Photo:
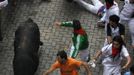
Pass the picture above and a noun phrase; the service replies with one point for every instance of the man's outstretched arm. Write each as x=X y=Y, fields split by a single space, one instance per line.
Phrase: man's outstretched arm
x=52 y=68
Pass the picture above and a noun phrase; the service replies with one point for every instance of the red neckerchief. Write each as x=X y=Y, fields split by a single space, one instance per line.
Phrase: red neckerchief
x=115 y=51
x=108 y=5
x=80 y=31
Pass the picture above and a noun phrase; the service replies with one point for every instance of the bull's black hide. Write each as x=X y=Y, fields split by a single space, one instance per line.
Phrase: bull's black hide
x=26 y=46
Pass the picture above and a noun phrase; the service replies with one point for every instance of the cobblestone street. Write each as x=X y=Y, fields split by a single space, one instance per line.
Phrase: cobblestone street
x=53 y=38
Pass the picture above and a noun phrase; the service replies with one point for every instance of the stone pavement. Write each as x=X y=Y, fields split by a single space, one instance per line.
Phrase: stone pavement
x=54 y=39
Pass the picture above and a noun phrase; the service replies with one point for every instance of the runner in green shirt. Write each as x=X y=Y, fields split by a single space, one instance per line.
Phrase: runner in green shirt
x=79 y=39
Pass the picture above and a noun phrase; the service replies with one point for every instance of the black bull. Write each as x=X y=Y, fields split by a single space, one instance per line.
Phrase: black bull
x=26 y=46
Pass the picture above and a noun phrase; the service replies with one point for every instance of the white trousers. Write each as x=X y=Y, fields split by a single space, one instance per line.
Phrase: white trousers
x=126 y=13
x=131 y=29
x=97 y=4
x=3 y=4
x=126 y=18
x=83 y=53
x=112 y=70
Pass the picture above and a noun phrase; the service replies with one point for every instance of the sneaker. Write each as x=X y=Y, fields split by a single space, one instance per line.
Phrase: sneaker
x=101 y=24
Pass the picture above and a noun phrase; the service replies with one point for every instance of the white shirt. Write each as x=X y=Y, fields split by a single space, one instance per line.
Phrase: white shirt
x=115 y=31
x=110 y=61
x=114 y=10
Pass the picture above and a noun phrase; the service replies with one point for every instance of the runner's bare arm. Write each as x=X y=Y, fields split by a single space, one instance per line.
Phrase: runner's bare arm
x=128 y=62
x=97 y=55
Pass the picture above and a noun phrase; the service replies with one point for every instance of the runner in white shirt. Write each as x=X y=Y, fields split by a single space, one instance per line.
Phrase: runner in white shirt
x=103 y=10
x=96 y=8
x=112 y=56
x=127 y=17
x=114 y=28
x=131 y=29
x=127 y=11
x=111 y=9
